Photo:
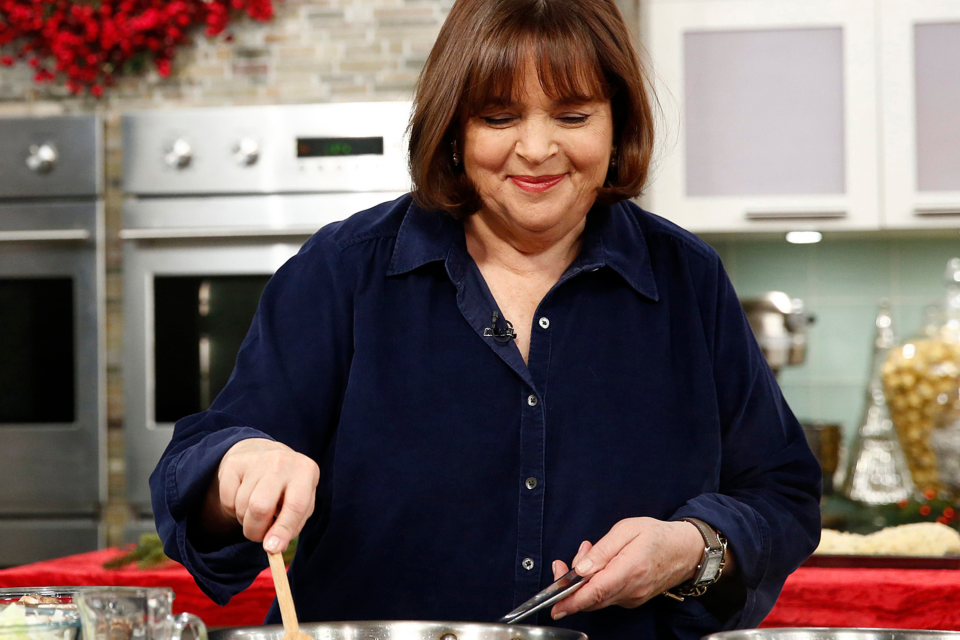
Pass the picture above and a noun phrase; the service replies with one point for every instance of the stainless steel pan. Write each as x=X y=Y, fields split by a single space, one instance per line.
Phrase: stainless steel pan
x=828 y=633
x=403 y=630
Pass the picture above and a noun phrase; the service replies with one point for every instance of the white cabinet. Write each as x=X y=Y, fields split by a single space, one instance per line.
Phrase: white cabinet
x=920 y=103
x=769 y=117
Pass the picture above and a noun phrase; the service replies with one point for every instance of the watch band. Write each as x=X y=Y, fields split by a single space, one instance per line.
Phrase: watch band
x=711 y=562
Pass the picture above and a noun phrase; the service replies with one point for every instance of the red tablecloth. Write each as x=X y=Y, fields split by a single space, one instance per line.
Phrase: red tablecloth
x=812 y=597
x=896 y=598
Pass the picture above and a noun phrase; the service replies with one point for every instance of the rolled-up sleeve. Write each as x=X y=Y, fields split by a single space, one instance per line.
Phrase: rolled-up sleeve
x=301 y=334
x=767 y=503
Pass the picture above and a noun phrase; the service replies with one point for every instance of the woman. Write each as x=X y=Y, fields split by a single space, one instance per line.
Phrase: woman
x=441 y=462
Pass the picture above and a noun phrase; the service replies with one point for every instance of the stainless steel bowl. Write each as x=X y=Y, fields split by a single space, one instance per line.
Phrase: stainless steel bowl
x=832 y=633
x=780 y=326
x=403 y=630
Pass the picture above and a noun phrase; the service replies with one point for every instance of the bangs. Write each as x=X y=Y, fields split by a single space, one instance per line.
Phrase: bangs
x=568 y=67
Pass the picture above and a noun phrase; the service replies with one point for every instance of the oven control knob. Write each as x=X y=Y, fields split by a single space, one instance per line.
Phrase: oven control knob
x=246 y=152
x=42 y=158
x=179 y=154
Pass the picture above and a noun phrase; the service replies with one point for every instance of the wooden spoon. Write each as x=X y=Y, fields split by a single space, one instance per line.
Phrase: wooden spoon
x=288 y=612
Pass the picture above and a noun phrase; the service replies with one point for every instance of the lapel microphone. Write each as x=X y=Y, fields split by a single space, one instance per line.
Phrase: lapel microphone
x=502 y=336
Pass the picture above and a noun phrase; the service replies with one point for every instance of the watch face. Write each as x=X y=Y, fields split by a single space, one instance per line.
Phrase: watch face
x=711 y=566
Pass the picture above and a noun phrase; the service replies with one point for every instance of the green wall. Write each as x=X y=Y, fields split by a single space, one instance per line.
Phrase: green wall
x=841 y=282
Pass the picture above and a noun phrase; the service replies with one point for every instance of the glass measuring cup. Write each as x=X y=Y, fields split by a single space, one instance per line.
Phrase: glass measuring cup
x=135 y=613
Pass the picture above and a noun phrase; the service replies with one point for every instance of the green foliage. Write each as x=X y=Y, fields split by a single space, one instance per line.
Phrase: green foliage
x=846 y=515
x=148 y=554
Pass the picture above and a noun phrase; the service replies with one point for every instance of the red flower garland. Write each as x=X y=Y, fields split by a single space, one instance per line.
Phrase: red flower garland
x=94 y=41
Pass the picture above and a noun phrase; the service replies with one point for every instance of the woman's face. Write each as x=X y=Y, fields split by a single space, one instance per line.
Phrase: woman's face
x=537 y=164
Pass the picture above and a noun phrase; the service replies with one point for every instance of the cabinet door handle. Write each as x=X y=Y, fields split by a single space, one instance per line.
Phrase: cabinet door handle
x=46 y=235
x=762 y=216
x=937 y=211
x=174 y=233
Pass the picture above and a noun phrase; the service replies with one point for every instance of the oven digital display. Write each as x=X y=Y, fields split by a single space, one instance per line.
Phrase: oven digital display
x=327 y=147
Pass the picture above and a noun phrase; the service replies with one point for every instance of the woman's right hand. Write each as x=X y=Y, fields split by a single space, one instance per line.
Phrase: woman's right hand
x=266 y=487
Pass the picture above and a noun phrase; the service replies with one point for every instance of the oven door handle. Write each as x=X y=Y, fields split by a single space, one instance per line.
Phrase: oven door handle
x=174 y=233
x=46 y=235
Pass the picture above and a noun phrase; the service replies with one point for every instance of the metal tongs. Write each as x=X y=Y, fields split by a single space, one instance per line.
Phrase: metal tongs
x=560 y=589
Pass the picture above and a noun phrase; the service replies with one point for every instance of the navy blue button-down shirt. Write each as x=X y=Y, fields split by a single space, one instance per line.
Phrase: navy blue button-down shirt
x=644 y=394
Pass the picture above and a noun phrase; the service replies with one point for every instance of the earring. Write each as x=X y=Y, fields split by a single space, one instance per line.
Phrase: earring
x=613 y=158
x=455 y=156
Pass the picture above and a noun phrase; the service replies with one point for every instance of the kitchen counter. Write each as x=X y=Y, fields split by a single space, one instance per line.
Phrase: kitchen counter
x=812 y=597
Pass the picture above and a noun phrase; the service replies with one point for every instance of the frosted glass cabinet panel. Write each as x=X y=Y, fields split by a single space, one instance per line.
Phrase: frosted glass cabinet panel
x=769 y=114
x=937 y=64
x=744 y=90
x=921 y=100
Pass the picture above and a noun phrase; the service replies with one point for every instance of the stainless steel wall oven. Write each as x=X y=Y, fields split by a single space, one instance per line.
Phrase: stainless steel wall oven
x=52 y=380
x=217 y=200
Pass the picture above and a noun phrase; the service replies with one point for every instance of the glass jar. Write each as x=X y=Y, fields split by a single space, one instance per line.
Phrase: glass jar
x=876 y=472
x=921 y=380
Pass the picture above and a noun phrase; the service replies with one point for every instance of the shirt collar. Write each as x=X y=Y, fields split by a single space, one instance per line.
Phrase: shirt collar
x=424 y=236
x=613 y=238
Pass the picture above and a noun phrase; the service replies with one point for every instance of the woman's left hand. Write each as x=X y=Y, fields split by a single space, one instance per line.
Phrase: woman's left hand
x=638 y=559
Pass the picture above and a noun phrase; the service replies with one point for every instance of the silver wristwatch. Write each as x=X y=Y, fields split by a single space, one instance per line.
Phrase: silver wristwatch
x=711 y=562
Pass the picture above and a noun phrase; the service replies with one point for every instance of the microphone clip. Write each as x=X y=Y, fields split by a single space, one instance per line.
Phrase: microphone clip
x=502 y=336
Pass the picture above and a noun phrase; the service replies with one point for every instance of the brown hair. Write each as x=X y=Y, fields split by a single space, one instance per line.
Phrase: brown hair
x=582 y=50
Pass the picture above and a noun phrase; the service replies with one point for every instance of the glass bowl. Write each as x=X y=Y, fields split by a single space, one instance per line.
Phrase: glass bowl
x=50 y=616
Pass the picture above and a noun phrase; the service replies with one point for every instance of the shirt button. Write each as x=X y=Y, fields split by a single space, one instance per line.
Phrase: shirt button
x=527 y=564
x=544 y=322
x=531 y=483
x=532 y=400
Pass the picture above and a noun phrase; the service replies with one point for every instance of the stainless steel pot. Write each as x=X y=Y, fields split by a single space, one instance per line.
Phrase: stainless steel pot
x=403 y=630
x=828 y=633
